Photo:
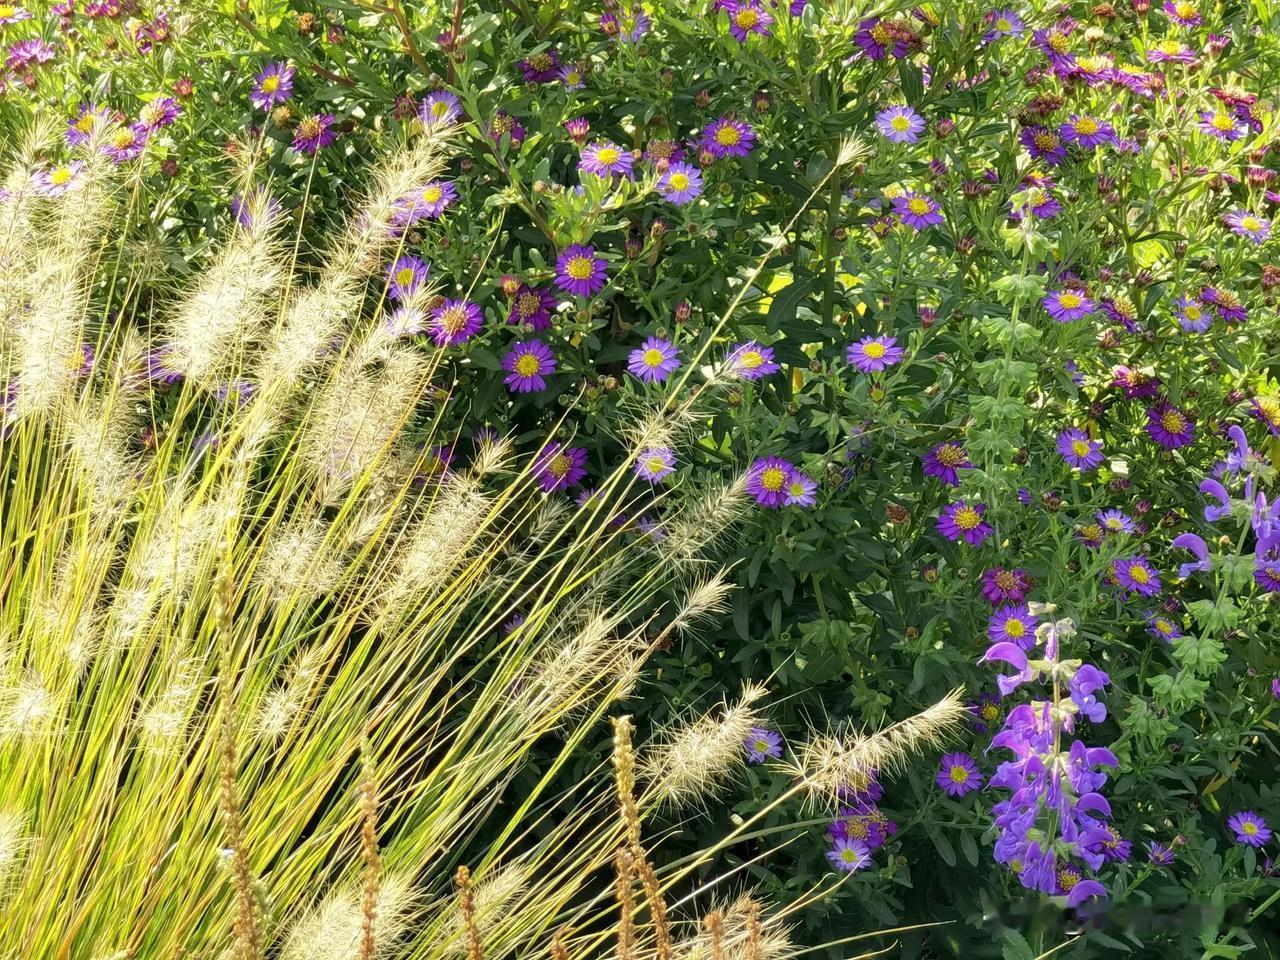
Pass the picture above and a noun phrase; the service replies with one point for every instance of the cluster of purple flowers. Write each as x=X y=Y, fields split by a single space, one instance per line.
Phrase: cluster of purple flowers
x=860 y=829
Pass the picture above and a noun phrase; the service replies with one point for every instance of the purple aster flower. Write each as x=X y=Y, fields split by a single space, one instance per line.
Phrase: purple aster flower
x=85 y=123
x=1223 y=125
x=1072 y=885
x=751 y=361
x=1135 y=383
x=986 y=712
x=944 y=461
x=541 y=67
x=1191 y=316
x=1249 y=225
x=505 y=125
x=29 y=53
x=314 y=132
x=406 y=321
x=406 y=276
x=801 y=490
x=917 y=210
x=747 y=17
x=11 y=13
x=1182 y=13
x=1114 y=521
x=439 y=109
x=455 y=321
x=1249 y=828
x=528 y=365
x=627 y=27
x=429 y=201
x=1158 y=854
x=532 y=307
x=259 y=203
x=272 y=86
x=125 y=143
x=572 y=76
x=762 y=745
x=1275 y=688
x=655 y=463
x=1004 y=23
x=580 y=272
x=1078 y=450
x=958 y=774
x=1067 y=305
x=849 y=855
x=1163 y=627
x=1091 y=534
x=873 y=354
x=160 y=112
x=963 y=521
x=605 y=158
x=1013 y=623
x=900 y=124
x=58 y=179
x=1087 y=131
x=558 y=467
x=1169 y=426
x=681 y=183
x=1169 y=50
x=1006 y=586
x=726 y=137
x=1136 y=575
x=878 y=37
x=1266 y=573
x=1225 y=303
x=654 y=360
x=767 y=481
x=1043 y=144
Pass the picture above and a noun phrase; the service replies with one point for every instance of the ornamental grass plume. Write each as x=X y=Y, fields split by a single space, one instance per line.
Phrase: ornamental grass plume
x=255 y=695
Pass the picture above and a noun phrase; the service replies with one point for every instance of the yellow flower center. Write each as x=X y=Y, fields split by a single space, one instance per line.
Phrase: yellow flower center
x=1091 y=531
x=540 y=61
x=1249 y=828
x=7 y=11
x=1163 y=626
x=1015 y=628
x=653 y=357
x=527 y=304
x=528 y=365
x=1067 y=878
x=1170 y=48
x=559 y=465
x=1223 y=122
x=124 y=138
x=453 y=320
x=751 y=359
x=728 y=136
x=439 y=108
x=918 y=205
x=1172 y=421
x=1250 y=223
x=86 y=123
x=573 y=77
x=746 y=18
x=60 y=177
x=404 y=276
x=874 y=350
x=1080 y=448
x=271 y=84
x=900 y=123
x=655 y=464
x=1138 y=574
x=309 y=127
x=857 y=829
x=1058 y=42
x=959 y=775
x=580 y=268
x=880 y=34
x=607 y=155
x=1045 y=141
x=773 y=479
x=1087 y=125
x=1185 y=10
x=950 y=456
x=967 y=518
x=1070 y=300
x=990 y=712
x=1004 y=25
x=432 y=193
x=796 y=489
x=679 y=181
x=1191 y=312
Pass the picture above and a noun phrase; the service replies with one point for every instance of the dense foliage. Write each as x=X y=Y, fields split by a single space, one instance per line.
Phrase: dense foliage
x=988 y=295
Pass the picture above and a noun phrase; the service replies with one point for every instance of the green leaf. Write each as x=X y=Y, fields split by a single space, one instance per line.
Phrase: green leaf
x=1016 y=947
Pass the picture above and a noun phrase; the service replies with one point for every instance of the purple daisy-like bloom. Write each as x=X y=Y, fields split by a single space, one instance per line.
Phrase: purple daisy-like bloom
x=849 y=855
x=751 y=361
x=82 y=126
x=762 y=744
x=1225 y=303
x=1013 y=623
x=406 y=276
x=747 y=17
x=654 y=360
x=1169 y=426
x=1091 y=534
x=1275 y=688
x=1158 y=854
x=532 y=307
x=1003 y=23
x=314 y=132
x=1182 y=13
x=1001 y=586
x=1114 y=521
x=1067 y=305
x=12 y=13
x=726 y=137
x=559 y=467
x=877 y=38
x=439 y=109
x=900 y=124
x=1223 y=125
x=605 y=158
x=655 y=463
x=1266 y=573
x=528 y=365
x=273 y=86
x=571 y=76
x=986 y=712
x=1192 y=316
x=1078 y=450
x=455 y=321
x=505 y=125
x=58 y=179
x=1043 y=144
x=427 y=202
x=125 y=143
x=681 y=183
x=406 y=321
x=29 y=53
x=159 y=113
x=767 y=481
x=1251 y=226
x=958 y=774
x=873 y=354
x=963 y=521
x=801 y=490
x=541 y=67
x=1136 y=575
x=1135 y=383
x=1249 y=828
x=917 y=210
x=1162 y=626
x=1088 y=132
x=1169 y=50
x=944 y=461
x=580 y=272
x=628 y=27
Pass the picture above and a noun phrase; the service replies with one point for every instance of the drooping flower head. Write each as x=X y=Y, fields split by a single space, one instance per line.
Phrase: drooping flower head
x=751 y=361
x=559 y=467
x=873 y=354
x=528 y=364
x=454 y=322
x=958 y=774
x=654 y=360
x=963 y=521
x=944 y=461
x=273 y=86
x=1078 y=450
x=580 y=272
